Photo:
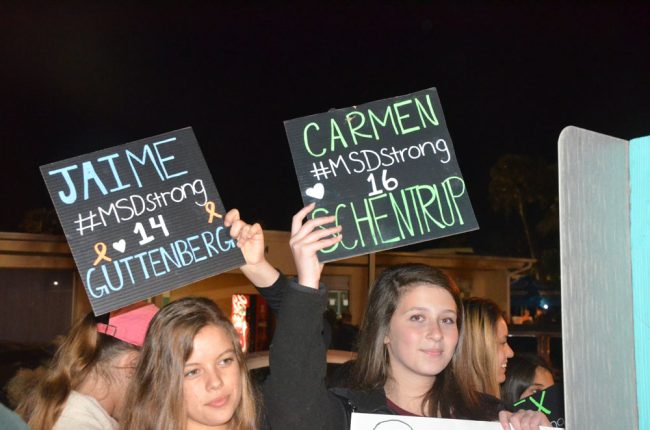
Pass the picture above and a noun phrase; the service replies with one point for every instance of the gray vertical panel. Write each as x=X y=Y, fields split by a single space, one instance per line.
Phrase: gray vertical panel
x=597 y=325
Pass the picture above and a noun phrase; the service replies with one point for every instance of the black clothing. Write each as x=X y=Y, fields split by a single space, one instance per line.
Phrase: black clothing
x=374 y=402
x=295 y=392
x=549 y=401
x=274 y=294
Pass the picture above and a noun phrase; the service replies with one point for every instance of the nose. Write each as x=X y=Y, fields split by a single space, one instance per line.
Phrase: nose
x=509 y=352
x=214 y=380
x=434 y=331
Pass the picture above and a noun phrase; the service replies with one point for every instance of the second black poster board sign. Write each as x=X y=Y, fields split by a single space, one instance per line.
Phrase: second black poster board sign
x=386 y=169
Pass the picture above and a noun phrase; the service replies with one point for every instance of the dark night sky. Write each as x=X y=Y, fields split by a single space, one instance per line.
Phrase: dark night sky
x=81 y=77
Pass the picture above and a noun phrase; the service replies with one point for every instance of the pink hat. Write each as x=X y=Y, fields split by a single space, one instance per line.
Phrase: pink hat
x=130 y=323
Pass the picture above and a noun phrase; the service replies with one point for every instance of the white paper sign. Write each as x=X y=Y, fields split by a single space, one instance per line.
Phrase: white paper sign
x=400 y=422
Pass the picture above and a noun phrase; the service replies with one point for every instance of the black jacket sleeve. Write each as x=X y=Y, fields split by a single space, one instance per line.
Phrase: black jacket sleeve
x=274 y=294
x=295 y=395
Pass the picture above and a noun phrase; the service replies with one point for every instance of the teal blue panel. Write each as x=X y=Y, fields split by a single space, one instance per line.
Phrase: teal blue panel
x=640 y=244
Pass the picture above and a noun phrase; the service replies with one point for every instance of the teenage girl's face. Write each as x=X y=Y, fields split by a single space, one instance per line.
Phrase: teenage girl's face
x=422 y=335
x=543 y=380
x=212 y=381
x=504 y=351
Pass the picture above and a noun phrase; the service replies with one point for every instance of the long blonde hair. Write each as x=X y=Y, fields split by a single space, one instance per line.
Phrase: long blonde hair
x=477 y=358
x=83 y=352
x=155 y=396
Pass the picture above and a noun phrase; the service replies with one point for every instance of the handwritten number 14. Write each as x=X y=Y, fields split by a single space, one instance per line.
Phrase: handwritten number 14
x=139 y=229
x=389 y=183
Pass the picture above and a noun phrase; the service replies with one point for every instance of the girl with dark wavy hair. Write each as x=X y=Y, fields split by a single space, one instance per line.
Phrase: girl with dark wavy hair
x=526 y=375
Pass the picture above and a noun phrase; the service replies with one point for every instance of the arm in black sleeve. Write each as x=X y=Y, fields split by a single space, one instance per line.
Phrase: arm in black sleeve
x=295 y=394
x=274 y=294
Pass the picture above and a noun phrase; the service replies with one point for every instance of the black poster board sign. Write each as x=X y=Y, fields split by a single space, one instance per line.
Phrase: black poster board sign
x=141 y=218
x=386 y=169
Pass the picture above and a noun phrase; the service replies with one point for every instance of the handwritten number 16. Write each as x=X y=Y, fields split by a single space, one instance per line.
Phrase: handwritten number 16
x=389 y=183
x=139 y=228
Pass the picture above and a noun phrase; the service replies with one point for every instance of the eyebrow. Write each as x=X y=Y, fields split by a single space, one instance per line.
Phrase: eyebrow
x=227 y=351
x=420 y=308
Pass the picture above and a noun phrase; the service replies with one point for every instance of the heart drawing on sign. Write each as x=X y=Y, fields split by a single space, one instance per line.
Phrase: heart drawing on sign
x=317 y=191
x=120 y=245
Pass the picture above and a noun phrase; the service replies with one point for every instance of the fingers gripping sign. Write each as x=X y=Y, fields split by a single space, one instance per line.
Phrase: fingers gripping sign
x=523 y=420
x=249 y=238
x=307 y=238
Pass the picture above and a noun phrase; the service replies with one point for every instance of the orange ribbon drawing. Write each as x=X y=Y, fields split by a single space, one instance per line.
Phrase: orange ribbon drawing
x=210 y=209
x=100 y=250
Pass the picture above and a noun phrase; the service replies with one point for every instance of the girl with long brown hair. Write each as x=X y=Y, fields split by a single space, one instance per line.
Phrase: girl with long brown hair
x=191 y=374
x=416 y=301
x=85 y=383
x=408 y=338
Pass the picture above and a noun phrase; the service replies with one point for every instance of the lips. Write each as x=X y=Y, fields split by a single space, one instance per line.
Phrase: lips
x=432 y=352
x=218 y=402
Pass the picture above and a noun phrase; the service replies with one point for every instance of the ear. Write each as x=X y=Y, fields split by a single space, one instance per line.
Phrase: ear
x=386 y=340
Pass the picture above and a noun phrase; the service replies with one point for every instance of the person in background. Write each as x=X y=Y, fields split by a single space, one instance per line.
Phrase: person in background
x=345 y=334
x=526 y=375
x=483 y=351
x=85 y=384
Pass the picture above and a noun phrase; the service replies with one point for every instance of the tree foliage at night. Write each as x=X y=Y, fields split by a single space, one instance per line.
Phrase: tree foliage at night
x=526 y=186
